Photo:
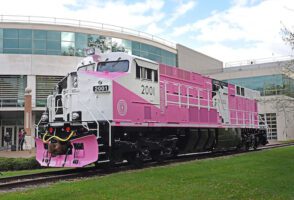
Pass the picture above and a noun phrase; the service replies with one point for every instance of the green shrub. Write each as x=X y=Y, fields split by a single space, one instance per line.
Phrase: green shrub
x=10 y=164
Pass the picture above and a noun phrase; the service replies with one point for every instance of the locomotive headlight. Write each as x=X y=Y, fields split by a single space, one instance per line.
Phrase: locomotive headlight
x=44 y=117
x=75 y=115
x=75 y=82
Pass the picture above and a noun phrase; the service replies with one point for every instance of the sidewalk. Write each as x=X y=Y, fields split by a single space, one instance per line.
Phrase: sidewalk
x=18 y=154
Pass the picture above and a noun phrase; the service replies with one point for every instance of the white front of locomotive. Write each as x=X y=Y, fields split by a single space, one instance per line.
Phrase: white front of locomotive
x=80 y=112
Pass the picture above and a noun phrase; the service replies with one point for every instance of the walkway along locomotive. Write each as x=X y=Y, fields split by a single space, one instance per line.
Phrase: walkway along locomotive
x=117 y=107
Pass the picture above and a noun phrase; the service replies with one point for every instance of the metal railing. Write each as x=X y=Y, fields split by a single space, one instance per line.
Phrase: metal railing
x=258 y=61
x=84 y=24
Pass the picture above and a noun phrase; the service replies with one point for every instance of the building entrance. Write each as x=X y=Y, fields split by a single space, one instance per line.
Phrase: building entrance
x=7 y=137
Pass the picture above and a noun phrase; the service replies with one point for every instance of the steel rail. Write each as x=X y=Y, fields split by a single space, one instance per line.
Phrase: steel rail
x=24 y=181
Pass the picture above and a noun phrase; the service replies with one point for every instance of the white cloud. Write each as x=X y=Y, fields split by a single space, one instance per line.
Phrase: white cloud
x=118 y=12
x=181 y=9
x=154 y=29
x=254 y=24
x=257 y=26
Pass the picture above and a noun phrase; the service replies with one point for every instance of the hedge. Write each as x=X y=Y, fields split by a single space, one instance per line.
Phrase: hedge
x=10 y=164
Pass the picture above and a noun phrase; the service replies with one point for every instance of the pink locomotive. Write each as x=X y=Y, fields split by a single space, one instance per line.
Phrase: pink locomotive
x=119 y=107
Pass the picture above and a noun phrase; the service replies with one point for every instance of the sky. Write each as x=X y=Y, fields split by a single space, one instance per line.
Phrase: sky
x=228 y=30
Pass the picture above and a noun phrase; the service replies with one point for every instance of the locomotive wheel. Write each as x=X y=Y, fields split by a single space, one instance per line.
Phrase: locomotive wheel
x=135 y=160
x=247 y=146
x=157 y=156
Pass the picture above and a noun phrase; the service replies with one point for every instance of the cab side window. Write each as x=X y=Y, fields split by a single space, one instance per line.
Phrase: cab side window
x=145 y=73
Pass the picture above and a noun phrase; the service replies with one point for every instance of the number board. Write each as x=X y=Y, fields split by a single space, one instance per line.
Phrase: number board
x=101 y=88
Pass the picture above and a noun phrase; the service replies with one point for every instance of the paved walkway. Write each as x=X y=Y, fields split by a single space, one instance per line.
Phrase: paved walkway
x=18 y=154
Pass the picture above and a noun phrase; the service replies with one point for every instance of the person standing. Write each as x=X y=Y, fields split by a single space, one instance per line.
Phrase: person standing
x=7 y=139
x=21 y=137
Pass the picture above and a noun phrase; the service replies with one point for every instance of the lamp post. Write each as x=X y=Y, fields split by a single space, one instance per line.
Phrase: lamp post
x=28 y=117
x=28 y=111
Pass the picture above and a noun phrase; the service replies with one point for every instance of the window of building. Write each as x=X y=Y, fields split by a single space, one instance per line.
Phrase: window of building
x=10 y=41
x=268 y=85
x=39 y=42
x=153 y=53
x=120 y=45
x=12 y=89
x=68 y=43
x=101 y=42
x=80 y=43
x=25 y=34
x=53 y=43
x=1 y=40
x=44 y=87
x=10 y=33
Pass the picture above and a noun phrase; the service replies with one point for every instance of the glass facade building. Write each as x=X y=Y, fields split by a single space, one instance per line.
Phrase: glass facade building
x=44 y=42
x=278 y=84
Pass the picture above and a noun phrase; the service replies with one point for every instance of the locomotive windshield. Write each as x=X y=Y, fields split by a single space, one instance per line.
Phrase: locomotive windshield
x=90 y=67
x=113 y=66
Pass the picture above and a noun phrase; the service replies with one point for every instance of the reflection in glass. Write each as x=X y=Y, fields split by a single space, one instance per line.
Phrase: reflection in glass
x=68 y=48
x=101 y=42
x=113 y=66
x=68 y=36
x=74 y=44
x=119 y=45
x=268 y=85
x=80 y=44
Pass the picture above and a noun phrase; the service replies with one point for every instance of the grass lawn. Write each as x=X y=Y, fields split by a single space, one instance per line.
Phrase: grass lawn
x=267 y=174
x=25 y=172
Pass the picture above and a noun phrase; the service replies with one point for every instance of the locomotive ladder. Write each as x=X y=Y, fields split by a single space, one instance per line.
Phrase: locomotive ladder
x=102 y=148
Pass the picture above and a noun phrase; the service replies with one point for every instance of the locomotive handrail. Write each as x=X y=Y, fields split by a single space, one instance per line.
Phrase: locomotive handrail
x=98 y=127
x=180 y=97
x=201 y=101
x=56 y=137
x=109 y=124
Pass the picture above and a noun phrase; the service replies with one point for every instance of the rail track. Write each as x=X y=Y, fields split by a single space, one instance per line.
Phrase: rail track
x=24 y=181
